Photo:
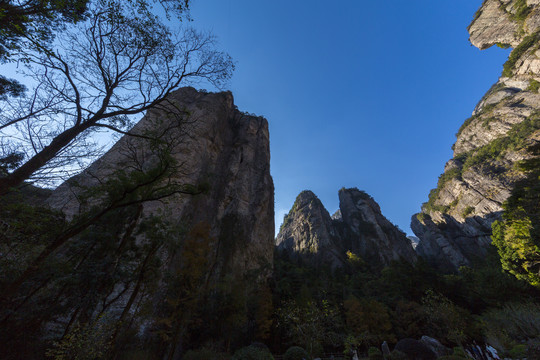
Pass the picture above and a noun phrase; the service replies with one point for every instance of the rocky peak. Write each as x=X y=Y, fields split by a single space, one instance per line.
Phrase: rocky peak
x=504 y=22
x=307 y=230
x=358 y=209
x=454 y=226
x=358 y=226
x=368 y=233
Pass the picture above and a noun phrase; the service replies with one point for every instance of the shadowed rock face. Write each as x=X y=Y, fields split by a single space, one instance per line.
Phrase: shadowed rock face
x=454 y=226
x=358 y=226
x=218 y=146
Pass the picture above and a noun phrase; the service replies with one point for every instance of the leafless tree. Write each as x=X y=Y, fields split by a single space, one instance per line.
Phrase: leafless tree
x=116 y=65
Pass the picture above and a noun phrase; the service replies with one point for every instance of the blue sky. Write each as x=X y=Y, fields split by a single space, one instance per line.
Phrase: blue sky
x=365 y=94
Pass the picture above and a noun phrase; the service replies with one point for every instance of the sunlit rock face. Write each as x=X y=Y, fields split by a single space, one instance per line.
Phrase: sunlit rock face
x=309 y=232
x=218 y=149
x=454 y=226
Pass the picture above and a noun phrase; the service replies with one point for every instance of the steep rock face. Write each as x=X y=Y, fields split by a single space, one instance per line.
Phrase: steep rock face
x=308 y=230
x=454 y=226
x=358 y=226
x=217 y=146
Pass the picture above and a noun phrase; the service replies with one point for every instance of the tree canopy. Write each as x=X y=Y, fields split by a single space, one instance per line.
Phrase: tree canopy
x=99 y=73
x=517 y=236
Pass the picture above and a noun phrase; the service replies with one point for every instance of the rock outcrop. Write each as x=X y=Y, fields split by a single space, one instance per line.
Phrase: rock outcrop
x=454 y=226
x=223 y=149
x=358 y=226
x=219 y=153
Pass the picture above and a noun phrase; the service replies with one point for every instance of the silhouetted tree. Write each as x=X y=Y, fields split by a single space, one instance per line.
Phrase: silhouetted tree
x=118 y=63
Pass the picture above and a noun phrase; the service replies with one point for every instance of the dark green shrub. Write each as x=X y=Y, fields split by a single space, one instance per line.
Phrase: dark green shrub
x=521 y=10
x=422 y=217
x=459 y=352
x=295 y=353
x=467 y=211
x=374 y=353
x=465 y=124
x=527 y=42
x=252 y=352
x=515 y=139
x=534 y=86
x=521 y=322
x=445 y=177
x=518 y=351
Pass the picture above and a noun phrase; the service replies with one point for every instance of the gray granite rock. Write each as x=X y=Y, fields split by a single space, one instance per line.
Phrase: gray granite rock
x=216 y=145
x=358 y=226
x=454 y=226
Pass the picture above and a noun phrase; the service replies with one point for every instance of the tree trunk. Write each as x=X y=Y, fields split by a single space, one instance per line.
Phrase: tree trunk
x=40 y=159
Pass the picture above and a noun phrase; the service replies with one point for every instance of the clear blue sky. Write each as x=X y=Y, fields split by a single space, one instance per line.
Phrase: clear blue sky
x=365 y=94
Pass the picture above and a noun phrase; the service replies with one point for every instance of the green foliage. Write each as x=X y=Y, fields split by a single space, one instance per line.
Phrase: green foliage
x=374 y=353
x=296 y=353
x=394 y=303
x=459 y=352
x=518 y=52
x=521 y=10
x=368 y=320
x=515 y=139
x=423 y=217
x=486 y=109
x=516 y=236
x=465 y=124
x=534 y=86
x=355 y=261
x=310 y=324
x=252 y=353
x=503 y=45
x=467 y=211
x=521 y=322
x=37 y=20
x=476 y=16
x=447 y=321
x=444 y=178
x=89 y=342
x=518 y=351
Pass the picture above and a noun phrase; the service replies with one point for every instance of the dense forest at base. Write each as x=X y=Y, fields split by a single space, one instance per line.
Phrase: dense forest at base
x=321 y=310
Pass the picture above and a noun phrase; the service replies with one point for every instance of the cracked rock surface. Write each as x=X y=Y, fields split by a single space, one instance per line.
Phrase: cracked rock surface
x=454 y=226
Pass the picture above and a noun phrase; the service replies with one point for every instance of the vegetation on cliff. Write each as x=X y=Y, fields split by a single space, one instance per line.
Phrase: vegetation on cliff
x=517 y=235
x=516 y=139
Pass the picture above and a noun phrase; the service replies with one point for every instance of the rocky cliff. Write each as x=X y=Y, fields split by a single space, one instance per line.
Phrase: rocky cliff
x=221 y=198
x=358 y=226
x=454 y=226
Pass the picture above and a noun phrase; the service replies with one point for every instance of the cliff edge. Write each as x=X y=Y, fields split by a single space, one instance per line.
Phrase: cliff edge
x=454 y=226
